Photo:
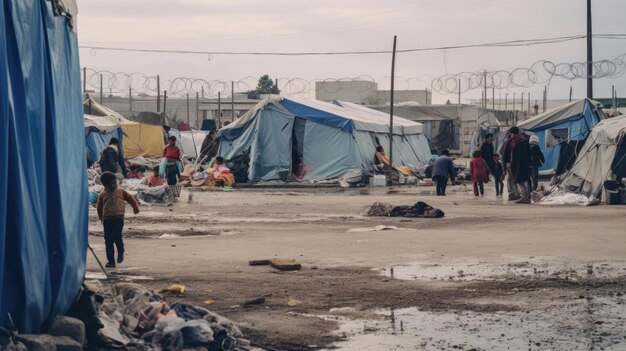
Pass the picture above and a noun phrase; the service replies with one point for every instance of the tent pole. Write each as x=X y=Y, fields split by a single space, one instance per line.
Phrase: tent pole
x=393 y=71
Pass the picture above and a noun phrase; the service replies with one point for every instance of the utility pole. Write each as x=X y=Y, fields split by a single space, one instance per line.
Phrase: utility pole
x=521 y=105
x=545 y=98
x=506 y=101
x=459 y=91
x=391 y=93
x=130 y=100
x=232 y=100
x=528 y=109
x=589 y=53
x=84 y=80
x=613 y=96
x=513 y=101
x=159 y=93
x=493 y=98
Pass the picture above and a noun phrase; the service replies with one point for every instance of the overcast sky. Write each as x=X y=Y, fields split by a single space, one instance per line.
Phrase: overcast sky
x=346 y=25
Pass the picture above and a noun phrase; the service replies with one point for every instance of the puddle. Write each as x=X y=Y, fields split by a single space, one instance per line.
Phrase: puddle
x=571 y=325
x=462 y=271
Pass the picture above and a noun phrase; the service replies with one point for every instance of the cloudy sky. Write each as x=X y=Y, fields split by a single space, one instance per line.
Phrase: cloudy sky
x=346 y=25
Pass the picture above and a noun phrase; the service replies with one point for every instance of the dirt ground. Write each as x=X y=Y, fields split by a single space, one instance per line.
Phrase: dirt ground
x=488 y=276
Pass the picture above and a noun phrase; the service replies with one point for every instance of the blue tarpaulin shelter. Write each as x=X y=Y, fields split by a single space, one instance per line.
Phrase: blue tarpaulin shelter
x=560 y=130
x=321 y=140
x=43 y=182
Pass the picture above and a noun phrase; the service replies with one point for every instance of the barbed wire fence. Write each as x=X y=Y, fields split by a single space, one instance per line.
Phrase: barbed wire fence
x=129 y=93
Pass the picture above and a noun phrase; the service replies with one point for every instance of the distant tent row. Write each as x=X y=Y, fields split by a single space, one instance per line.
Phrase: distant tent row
x=317 y=140
x=601 y=158
x=562 y=132
x=138 y=139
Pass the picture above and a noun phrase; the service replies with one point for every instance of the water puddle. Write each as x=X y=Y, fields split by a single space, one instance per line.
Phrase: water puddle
x=540 y=268
x=580 y=324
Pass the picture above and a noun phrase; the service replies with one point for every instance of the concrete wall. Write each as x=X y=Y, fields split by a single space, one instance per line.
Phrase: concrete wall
x=367 y=93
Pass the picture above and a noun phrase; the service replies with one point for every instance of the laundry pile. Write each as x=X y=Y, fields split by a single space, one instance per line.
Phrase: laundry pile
x=420 y=209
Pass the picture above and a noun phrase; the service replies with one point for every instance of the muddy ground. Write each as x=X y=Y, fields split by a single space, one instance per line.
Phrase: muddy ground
x=488 y=276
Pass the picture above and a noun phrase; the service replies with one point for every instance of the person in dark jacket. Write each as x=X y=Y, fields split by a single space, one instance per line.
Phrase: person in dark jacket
x=498 y=174
x=536 y=161
x=520 y=164
x=209 y=147
x=442 y=169
x=487 y=151
x=506 y=161
x=109 y=161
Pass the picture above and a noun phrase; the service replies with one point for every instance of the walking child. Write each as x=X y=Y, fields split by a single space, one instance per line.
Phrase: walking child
x=111 y=209
x=498 y=174
x=171 y=166
x=479 y=172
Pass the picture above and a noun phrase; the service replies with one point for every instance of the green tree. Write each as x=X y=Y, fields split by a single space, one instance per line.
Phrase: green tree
x=266 y=86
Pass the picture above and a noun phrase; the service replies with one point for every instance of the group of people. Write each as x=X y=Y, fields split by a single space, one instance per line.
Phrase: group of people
x=520 y=162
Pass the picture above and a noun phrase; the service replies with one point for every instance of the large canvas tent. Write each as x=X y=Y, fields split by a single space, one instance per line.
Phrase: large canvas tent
x=602 y=157
x=562 y=131
x=43 y=180
x=320 y=140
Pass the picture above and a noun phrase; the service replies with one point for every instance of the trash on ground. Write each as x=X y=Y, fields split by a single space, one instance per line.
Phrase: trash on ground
x=174 y=288
x=285 y=264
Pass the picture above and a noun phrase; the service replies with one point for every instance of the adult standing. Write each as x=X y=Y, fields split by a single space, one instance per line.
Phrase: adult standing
x=536 y=161
x=506 y=160
x=109 y=157
x=520 y=164
x=442 y=169
x=487 y=151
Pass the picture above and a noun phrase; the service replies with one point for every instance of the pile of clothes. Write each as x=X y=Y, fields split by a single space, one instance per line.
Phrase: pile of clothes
x=420 y=209
x=129 y=316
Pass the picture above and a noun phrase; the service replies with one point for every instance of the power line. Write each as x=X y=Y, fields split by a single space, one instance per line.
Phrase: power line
x=510 y=43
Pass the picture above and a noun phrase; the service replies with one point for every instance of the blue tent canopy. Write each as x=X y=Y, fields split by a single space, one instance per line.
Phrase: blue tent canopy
x=43 y=183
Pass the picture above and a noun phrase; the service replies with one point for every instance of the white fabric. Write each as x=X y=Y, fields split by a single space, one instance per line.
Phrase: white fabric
x=103 y=125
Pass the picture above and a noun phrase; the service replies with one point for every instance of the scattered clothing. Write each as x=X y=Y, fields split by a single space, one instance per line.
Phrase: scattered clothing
x=420 y=209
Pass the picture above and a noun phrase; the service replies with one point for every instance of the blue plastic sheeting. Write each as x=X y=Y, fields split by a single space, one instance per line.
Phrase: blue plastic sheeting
x=96 y=142
x=315 y=115
x=43 y=182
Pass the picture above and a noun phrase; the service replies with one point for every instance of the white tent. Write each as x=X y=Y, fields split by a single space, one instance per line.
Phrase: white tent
x=602 y=157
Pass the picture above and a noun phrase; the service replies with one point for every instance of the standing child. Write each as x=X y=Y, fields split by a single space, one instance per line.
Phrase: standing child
x=498 y=174
x=171 y=166
x=111 y=209
x=479 y=172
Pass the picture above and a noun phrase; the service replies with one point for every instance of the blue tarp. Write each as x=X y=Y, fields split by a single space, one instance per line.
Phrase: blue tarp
x=43 y=182
x=318 y=116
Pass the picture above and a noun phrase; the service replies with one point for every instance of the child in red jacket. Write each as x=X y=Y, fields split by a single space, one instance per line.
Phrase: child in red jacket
x=479 y=172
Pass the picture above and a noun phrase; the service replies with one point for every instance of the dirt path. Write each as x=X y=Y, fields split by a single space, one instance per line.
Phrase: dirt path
x=523 y=276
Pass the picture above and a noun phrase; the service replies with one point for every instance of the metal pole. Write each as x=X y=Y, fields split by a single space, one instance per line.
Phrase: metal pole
x=613 y=96
x=101 y=96
x=84 y=80
x=506 y=101
x=130 y=100
x=203 y=92
x=513 y=101
x=459 y=91
x=545 y=98
x=164 y=105
x=485 y=93
x=232 y=100
x=198 y=125
x=589 y=53
x=528 y=109
x=159 y=94
x=219 y=108
x=570 y=93
x=188 y=112
x=521 y=105
x=391 y=97
x=493 y=98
